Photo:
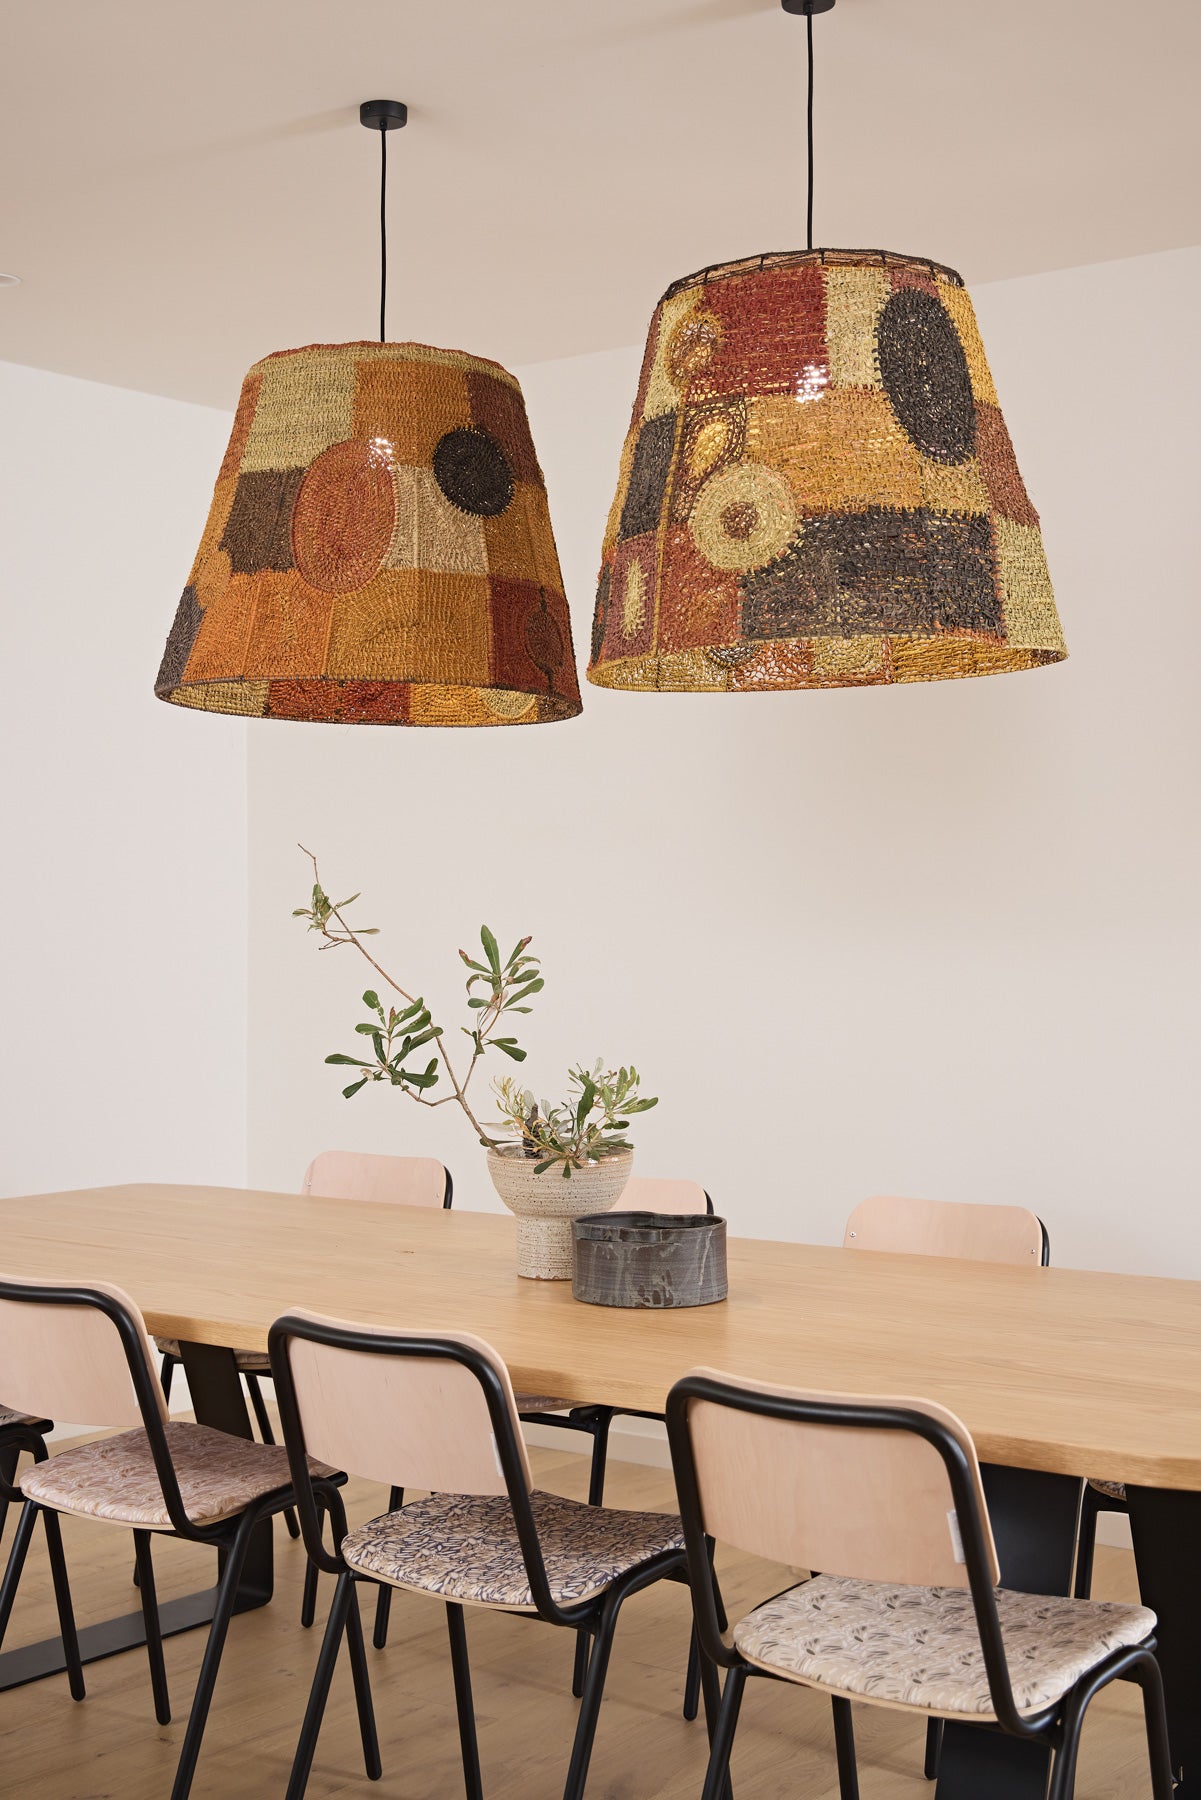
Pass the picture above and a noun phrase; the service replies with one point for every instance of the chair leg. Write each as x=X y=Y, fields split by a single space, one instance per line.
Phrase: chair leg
x=306 y=1745
x=1159 y=1749
x=463 y=1703
x=154 y=1636
x=308 y=1598
x=263 y=1417
x=167 y=1375
x=844 y=1749
x=596 y=1497
x=383 y=1604
x=692 y=1679
x=711 y=1688
x=594 y=1687
x=203 y=1698
x=62 y=1600
x=15 y=1564
x=933 y=1749
x=723 y=1737
x=1086 y=1543
x=357 y=1646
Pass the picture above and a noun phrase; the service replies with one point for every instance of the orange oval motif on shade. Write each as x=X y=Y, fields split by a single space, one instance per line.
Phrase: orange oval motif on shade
x=343 y=518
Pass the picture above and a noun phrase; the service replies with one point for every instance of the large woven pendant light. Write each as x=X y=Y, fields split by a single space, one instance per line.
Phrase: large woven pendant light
x=379 y=548
x=817 y=488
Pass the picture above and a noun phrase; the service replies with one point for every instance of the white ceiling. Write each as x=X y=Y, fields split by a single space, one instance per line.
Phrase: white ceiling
x=188 y=187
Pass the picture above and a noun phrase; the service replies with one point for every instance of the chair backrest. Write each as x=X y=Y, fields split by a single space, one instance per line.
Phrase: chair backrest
x=1009 y=1234
x=870 y=1487
x=650 y=1193
x=401 y=1180
x=71 y=1351
x=409 y=1408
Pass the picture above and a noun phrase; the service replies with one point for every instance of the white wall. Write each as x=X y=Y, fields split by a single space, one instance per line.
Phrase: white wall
x=934 y=940
x=122 y=821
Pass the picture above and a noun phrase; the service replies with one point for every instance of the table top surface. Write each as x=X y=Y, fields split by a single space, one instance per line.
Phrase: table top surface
x=1066 y=1370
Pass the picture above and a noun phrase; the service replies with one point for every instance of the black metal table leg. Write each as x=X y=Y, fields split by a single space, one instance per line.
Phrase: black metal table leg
x=1166 y=1527
x=1034 y=1519
x=217 y=1398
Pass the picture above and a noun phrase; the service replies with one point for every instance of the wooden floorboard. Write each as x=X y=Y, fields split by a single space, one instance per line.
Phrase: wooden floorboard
x=109 y=1745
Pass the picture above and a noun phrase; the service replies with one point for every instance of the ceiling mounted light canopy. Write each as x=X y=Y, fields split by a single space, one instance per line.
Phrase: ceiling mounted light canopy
x=817 y=488
x=379 y=547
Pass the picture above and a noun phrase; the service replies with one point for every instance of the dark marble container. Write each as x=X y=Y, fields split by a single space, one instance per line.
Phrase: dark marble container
x=649 y=1259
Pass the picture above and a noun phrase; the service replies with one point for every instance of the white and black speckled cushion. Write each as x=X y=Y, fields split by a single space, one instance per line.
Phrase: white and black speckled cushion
x=920 y=1647
x=250 y=1362
x=115 y=1478
x=465 y=1548
x=9 y=1417
x=1113 y=1490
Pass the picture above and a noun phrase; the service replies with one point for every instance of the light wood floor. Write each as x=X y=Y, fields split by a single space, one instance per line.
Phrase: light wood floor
x=110 y=1745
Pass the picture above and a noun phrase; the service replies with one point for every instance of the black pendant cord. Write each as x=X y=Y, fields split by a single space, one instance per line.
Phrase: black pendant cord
x=384 y=231
x=809 y=198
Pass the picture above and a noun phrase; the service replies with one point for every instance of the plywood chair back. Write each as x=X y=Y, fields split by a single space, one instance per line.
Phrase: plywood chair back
x=63 y=1355
x=849 y=1484
x=651 y=1193
x=401 y=1180
x=398 y=1407
x=1008 y=1234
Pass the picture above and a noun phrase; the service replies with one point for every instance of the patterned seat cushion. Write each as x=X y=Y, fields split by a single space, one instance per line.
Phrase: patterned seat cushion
x=1113 y=1490
x=250 y=1362
x=9 y=1417
x=114 y=1478
x=919 y=1647
x=466 y=1548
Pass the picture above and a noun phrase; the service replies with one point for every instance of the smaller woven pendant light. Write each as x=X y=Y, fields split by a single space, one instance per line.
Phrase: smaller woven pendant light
x=379 y=548
x=817 y=488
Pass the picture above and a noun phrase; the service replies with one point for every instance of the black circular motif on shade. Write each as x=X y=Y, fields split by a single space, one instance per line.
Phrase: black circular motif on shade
x=471 y=469
x=926 y=376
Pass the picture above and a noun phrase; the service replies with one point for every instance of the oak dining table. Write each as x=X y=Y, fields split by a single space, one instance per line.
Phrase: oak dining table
x=1059 y=1374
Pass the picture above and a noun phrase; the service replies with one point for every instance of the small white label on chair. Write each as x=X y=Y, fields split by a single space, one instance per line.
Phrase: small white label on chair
x=956 y=1536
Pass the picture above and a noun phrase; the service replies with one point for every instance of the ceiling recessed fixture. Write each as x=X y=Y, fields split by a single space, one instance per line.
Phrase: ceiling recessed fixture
x=379 y=548
x=10 y=281
x=817 y=488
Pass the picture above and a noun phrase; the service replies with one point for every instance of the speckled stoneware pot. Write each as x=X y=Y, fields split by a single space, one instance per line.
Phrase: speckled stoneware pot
x=650 y=1259
x=545 y=1205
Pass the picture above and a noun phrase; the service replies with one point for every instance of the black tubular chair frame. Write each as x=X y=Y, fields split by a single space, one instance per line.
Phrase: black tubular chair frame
x=1057 y=1726
x=231 y=1537
x=597 y=1616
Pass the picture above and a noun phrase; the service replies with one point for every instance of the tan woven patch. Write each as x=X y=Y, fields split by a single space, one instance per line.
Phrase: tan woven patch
x=429 y=532
x=841 y=453
x=854 y=298
x=304 y=407
x=1031 y=620
x=663 y=392
x=248 y=699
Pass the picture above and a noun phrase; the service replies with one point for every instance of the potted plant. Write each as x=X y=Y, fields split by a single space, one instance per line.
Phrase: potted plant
x=552 y=1162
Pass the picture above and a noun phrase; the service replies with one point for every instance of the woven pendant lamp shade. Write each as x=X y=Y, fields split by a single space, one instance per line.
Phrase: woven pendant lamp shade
x=818 y=489
x=379 y=550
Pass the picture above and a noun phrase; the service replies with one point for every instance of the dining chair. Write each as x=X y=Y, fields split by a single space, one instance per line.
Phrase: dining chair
x=885 y=1496
x=439 y=1409
x=907 y=1226
x=417 y=1181
x=81 y=1351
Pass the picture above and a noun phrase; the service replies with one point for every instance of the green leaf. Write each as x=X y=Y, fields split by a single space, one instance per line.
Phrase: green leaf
x=351 y=1062
x=532 y=987
x=509 y=1048
x=542 y=1167
x=371 y=998
x=354 y=1087
x=367 y=1028
x=377 y=1044
x=477 y=1004
x=490 y=949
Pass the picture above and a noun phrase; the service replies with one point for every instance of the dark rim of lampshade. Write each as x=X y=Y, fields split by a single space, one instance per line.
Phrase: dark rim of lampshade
x=799 y=259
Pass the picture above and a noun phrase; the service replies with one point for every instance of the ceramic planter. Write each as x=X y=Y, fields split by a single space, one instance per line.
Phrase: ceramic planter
x=545 y=1205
